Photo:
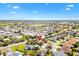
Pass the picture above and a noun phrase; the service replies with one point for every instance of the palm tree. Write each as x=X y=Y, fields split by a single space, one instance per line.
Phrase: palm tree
x=76 y=44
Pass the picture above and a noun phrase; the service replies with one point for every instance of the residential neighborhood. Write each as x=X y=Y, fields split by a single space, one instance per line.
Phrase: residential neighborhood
x=39 y=38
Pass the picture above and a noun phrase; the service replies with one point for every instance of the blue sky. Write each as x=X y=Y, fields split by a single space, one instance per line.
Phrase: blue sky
x=39 y=11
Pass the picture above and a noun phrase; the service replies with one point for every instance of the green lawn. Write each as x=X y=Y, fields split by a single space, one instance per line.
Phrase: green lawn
x=19 y=47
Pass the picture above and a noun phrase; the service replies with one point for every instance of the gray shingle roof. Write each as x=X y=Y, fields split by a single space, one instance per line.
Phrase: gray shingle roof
x=58 y=53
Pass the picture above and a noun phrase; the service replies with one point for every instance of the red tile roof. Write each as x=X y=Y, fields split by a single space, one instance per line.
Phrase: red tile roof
x=66 y=45
x=71 y=42
x=39 y=37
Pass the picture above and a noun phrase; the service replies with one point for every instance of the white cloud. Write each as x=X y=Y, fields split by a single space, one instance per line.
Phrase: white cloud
x=68 y=9
x=35 y=11
x=15 y=7
x=70 y=5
